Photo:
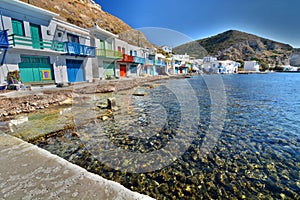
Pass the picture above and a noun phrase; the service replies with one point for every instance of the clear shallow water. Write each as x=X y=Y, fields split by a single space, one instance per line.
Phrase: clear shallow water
x=256 y=156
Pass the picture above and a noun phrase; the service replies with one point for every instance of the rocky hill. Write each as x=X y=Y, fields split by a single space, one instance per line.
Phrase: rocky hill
x=236 y=45
x=86 y=13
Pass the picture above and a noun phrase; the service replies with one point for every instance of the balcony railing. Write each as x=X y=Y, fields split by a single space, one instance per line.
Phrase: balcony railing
x=77 y=49
x=16 y=40
x=139 y=60
x=160 y=63
x=128 y=58
x=109 y=53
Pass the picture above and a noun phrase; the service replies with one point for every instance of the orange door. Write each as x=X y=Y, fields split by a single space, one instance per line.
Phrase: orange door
x=122 y=70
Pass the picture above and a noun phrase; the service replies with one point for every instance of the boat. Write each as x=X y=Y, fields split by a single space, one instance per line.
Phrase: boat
x=3 y=87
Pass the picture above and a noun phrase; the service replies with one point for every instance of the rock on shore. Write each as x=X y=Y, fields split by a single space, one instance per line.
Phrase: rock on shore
x=31 y=101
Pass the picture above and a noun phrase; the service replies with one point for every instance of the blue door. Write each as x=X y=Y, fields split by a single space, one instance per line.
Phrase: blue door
x=75 y=70
x=176 y=70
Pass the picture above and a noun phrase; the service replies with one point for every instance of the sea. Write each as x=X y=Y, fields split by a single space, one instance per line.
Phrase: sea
x=205 y=137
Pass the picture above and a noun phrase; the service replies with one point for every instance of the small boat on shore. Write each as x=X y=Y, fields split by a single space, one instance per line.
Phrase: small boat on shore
x=3 y=87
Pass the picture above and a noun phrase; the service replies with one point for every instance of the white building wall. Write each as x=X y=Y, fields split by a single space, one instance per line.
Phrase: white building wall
x=122 y=44
x=88 y=69
x=60 y=69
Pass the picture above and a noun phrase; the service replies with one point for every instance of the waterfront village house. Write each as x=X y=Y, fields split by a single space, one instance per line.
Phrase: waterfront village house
x=136 y=68
x=251 y=66
x=106 y=52
x=181 y=63
x=167 y=49
x=207 y=64
x=149 y=66
x=123 y=65
x=43 y=48
x=225 y=66
x=160 y=64
x=198 y=63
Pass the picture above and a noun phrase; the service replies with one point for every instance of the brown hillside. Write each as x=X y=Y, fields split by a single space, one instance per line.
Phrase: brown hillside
x=236 y=45
x=86 y=13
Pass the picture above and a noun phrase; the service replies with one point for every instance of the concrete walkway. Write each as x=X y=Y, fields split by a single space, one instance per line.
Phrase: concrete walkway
x=29 y=172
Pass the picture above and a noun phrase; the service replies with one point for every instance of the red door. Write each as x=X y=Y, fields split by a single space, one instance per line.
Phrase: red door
x=122 y=70
x=180 y=71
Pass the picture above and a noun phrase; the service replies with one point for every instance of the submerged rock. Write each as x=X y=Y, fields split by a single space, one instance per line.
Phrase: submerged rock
x=140 y=92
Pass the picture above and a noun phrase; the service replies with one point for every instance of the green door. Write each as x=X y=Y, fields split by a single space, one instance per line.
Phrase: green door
x=36 y=36
x=109 y=69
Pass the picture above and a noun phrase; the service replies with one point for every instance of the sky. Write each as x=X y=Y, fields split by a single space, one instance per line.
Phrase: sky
x=183 y=20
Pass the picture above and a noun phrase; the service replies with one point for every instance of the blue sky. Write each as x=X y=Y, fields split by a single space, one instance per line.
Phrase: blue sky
x=196 y=19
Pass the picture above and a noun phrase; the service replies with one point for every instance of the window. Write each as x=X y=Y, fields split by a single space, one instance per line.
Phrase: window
x=135 y=53
x=102 y=44
x=73 y=38
x=18 y=28
x=131 y=52
x=119 y=49
x=109 y=45
x=123 y=50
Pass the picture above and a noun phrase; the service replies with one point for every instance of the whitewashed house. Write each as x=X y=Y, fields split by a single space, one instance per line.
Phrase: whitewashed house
x=251 y=66
x=207 y=65
x=133 y=59
x=289 y=68
x=212 y=65
x=225 y=66
x=42 y=48
x=75 y=62
x=106 y=52
x=167 y=49
x=181 y=63
x=149 y=68
x=160 y=64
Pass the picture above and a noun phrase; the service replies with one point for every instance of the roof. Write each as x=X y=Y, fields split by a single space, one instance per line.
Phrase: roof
x=27 y=7
x=26 y=12
x=97 y=29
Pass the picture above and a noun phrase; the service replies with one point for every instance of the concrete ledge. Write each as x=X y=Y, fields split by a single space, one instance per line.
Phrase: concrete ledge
x=29 y=172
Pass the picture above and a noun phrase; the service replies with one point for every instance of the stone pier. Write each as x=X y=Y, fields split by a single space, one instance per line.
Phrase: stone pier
x=29 y=172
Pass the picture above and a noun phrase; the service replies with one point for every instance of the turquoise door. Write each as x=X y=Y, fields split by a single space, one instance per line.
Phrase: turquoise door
x=35 y=69
x=75 y=70
x=109 y=69
x=151 y=71
x=36 y=36
x=176 y=70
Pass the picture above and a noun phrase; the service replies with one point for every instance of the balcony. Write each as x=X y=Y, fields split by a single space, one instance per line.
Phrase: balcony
x=160 y=63
x=109 y=53
x=139 y=60
x=17 y=41
x=127 y=58
x=77 y=49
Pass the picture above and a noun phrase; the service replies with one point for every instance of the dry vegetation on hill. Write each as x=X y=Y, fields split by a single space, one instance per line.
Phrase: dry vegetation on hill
x=86 y=13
